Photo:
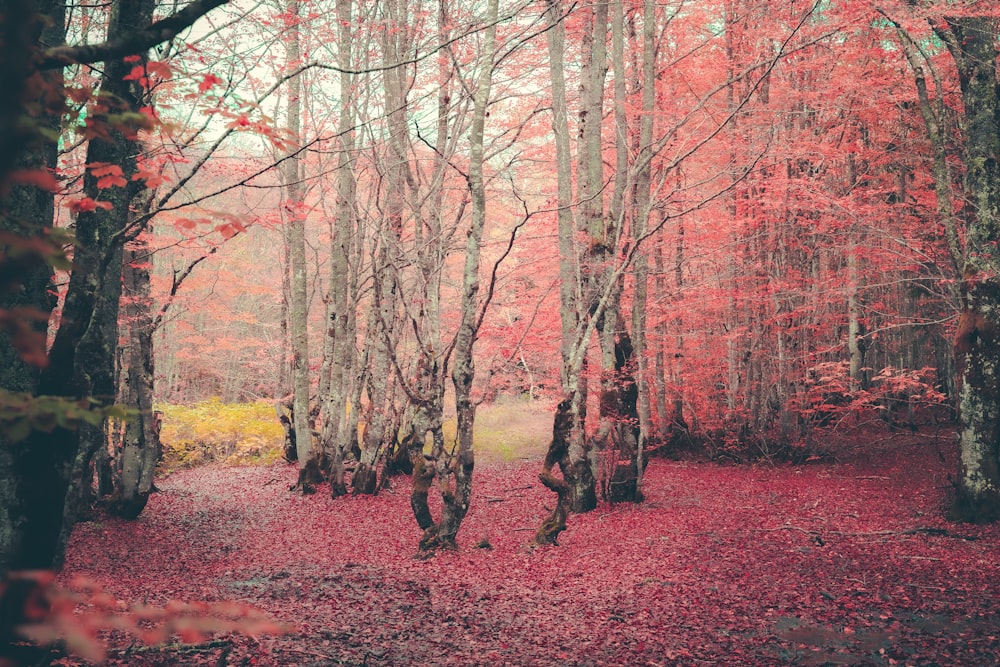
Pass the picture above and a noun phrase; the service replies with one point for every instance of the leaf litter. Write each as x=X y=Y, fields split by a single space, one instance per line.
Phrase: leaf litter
x=847 y=563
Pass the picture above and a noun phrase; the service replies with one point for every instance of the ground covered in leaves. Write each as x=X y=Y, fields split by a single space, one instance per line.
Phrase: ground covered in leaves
x=847 y=563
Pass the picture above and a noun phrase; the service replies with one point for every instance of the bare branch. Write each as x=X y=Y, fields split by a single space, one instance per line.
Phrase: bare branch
x=137 y=42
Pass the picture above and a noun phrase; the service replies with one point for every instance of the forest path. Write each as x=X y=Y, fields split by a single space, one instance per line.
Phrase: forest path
x=845 y=563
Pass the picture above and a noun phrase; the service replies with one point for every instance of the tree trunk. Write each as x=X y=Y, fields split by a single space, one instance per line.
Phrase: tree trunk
x=640 y=222
x=141 y=444
x=81 y=360
x=382 y=336
x=340 y=358
x=973 y=43
x=28 y=211
x=557 y=454
x=455 y=474
x=298 y=311
x=568 y=269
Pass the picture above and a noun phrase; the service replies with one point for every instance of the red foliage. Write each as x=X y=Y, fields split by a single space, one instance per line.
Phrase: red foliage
x=208 y=82
x=87 y=204
x=721 y=565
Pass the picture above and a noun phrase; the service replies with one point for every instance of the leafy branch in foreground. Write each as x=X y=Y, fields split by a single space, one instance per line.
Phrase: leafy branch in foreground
x=21 y=413
x=76 y=612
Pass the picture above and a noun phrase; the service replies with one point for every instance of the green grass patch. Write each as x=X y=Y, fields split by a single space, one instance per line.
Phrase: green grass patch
x=509 y=430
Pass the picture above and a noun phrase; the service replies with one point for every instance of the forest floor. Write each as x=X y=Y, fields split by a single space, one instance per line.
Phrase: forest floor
x=831 y=563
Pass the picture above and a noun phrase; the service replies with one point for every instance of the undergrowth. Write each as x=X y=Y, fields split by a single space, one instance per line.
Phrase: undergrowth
x=213 y=431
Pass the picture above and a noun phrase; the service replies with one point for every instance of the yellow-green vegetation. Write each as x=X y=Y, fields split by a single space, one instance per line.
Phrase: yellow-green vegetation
x=233 y=433
x=249 y=433
x=508 y=430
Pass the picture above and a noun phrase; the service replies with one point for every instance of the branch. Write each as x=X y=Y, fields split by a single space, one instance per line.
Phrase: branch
x=178 y=279
x=919 y=530
x=137 y=42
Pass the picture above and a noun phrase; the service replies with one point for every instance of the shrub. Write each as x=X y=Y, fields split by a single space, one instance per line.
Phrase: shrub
x=232 y=433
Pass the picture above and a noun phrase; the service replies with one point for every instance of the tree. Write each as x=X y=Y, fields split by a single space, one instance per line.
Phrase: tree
x=972 y=43
x=341 y=365
x=455 y=471
x=970 y=39
x=298 y=311
x=38 y=468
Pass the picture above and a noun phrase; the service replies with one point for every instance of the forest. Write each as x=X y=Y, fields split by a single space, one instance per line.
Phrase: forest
x=654 y=332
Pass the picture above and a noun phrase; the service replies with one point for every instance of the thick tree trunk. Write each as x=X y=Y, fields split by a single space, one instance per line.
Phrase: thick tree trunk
x=27 y=211
x=557 y=455
x=81 y=360
x=977 y=354
x=973 y=43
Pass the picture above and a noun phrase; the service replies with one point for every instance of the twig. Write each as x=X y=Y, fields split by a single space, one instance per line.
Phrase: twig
x=290 y=649
x=177 y=648
x=879 y=533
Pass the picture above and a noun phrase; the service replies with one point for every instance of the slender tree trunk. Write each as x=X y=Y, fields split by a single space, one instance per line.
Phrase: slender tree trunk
x=641 y=211
x=341 y=348
x=141 y=442
x=568 y=268
x=592 y=223
x=298 y=311
x=430 y=244
x=455 y=475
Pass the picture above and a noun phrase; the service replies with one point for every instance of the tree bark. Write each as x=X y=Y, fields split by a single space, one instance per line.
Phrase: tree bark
x=38 y=473
x=382 y=336
x=455 y=474
x=28 y=212
x=141 y=443
x=298 y=311
x=578 y=473
x=640 y=222
x=973 y=44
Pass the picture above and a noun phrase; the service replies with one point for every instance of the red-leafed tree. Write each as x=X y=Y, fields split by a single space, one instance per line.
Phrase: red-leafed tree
x=62 y=405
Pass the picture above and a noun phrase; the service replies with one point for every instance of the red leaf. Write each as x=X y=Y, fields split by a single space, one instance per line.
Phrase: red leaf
x=29 y=342
x=111 y=181
x=159 y=68
x=103 y=168
x=138 y=73
x=108 y=175
x=87 y=204
x=208 y=82
x=152 y=179
x=227 y=230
